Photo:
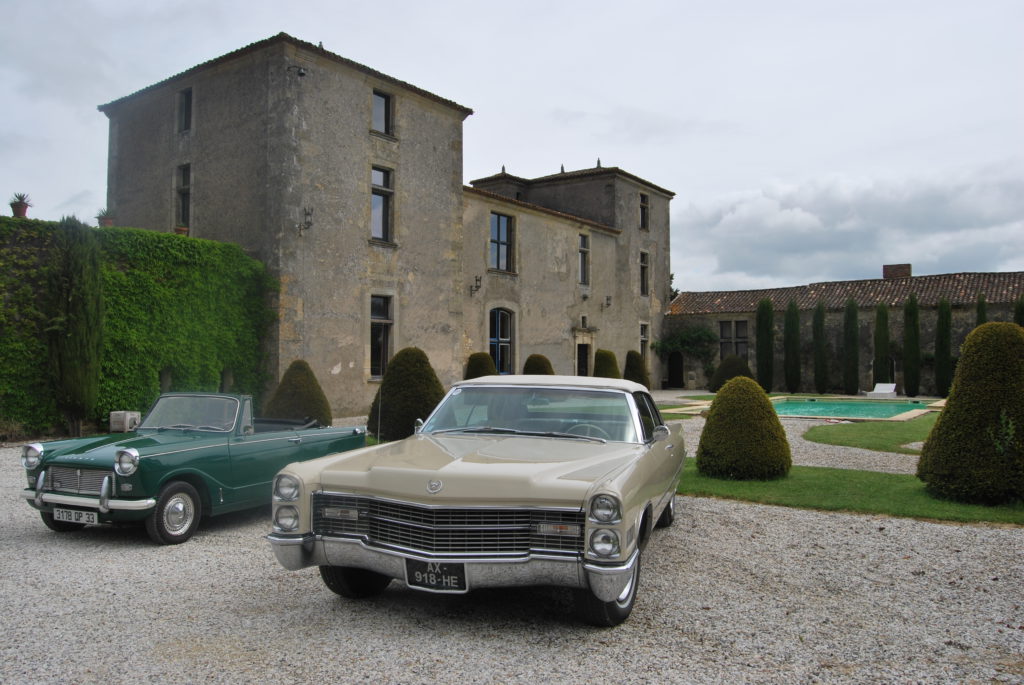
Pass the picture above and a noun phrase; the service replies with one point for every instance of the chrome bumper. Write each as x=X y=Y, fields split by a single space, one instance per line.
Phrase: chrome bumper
x=606 y=581
x=88 y=502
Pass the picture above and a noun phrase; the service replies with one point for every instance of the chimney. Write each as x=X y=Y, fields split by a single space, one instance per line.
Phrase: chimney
x=895 y=271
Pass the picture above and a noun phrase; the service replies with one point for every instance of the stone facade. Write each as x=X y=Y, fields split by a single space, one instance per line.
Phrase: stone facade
x=720 y=310
x=348 y=184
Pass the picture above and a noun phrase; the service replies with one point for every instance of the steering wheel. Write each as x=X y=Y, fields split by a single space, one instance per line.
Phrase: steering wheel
x=589 y=430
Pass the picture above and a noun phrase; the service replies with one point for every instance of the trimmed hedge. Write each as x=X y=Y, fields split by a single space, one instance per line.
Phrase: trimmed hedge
x=636 y=369
x=730 y=367
x=538 y=364
x=409 y=390
x=743 y=438
x=479 y=364
x=194 y=309
x=975 y=451
x=299 y=396
x=606 y=365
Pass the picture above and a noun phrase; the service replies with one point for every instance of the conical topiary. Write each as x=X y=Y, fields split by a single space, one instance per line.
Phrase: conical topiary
x=975 y=451
x=299 y=396
x=730 y=367
x=636 y=369
x=605 y=364
x=479 y=364
x=743 y=439
x=538 y=364
x=409 y=391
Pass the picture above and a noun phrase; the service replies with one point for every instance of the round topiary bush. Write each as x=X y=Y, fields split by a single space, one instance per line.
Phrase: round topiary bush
x=730 y=367
x=975 y=451
x=538 y=364
x=636 y=369
x=299 y=396
x=743 y=439
x=409 y=391
x=606 y=365
x=479 y=364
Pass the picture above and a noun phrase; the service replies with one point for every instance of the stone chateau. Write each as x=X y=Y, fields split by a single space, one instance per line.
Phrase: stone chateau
x=347 y=183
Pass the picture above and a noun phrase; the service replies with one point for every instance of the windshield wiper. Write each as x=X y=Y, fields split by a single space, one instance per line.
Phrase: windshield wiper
x=573 y=436
x=479 y=429
x=180 y=426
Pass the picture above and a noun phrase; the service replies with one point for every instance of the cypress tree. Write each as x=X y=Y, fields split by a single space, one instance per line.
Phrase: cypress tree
x=75 y=326
x=981 y=311
x=881 y=365
x=1018 y=311
x=911 y=348
x=943 y=358
x=765 y=344
x=851 y=349
x=791 y=347
x=820 y=350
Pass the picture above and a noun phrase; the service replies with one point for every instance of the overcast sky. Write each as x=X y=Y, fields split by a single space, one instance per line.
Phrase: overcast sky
x=805 y=141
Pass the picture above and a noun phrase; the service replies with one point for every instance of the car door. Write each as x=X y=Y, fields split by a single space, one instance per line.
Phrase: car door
x=665 y=456
x=257 y=457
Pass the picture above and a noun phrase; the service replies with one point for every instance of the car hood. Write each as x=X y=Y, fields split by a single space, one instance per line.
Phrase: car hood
x=99 y=452
x=473 y=468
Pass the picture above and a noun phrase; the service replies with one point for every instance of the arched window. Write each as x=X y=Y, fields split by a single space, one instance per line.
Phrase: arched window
x=501 y=339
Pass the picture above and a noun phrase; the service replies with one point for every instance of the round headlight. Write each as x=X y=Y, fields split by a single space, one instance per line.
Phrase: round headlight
x=126 y=462
x=286 y=488
x=31 y=455
x=286 y=518
x=604 y=508
x=604 y=542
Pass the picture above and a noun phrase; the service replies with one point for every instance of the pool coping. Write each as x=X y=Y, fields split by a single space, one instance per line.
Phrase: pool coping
x=700 y=407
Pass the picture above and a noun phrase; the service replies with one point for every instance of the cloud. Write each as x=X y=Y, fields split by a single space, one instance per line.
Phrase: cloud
x=838 y=229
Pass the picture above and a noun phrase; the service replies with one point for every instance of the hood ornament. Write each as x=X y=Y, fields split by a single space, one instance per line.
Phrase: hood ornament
x=434 y=486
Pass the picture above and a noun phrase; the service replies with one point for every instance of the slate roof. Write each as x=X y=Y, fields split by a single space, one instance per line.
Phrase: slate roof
x=543 y=210
x=309 y=47
x=959 y=289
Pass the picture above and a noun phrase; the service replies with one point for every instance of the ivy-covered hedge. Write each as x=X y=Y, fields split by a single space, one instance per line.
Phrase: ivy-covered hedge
x=189 y=308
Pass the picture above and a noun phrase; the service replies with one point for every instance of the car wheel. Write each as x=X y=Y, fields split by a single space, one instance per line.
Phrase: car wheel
x=607 y=614
x=176 y=516
x=353 y=583
x=59 y=526
x=668 y=515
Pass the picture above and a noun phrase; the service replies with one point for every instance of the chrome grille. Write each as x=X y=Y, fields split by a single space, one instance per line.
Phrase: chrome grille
x=78 y=481
x=446 y=531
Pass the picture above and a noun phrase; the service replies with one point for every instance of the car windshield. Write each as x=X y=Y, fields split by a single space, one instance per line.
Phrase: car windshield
x=192 y=412
x=552 y=412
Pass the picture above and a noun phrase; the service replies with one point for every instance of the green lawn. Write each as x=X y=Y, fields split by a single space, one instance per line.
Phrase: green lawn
x=868 y=492
x=881 y=436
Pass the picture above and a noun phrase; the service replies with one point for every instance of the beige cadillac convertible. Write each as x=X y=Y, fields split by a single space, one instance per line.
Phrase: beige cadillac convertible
x=512 y=480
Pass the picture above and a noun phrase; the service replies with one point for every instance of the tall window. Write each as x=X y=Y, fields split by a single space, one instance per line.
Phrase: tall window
x=380 y=208
x=645 y=273
x=645 y=211
x=645 y=340
x=502 y=243
x=382 y=119
x=184 y=183
x=185 y=110
x=732 y=339
x=380 y=334
x=501 y=340
x=585 y=260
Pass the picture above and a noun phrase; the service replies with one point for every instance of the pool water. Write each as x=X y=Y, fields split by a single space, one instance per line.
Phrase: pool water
x=853 y=409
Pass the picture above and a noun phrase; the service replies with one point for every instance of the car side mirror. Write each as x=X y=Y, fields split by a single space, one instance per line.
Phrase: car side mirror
x=418 y=425
x=660 y=433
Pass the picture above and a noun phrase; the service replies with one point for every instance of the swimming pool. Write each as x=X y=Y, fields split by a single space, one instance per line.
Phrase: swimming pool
x=846 y=409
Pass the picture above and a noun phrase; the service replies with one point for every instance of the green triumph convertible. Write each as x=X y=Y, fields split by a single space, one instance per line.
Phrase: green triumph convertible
x=194 y=455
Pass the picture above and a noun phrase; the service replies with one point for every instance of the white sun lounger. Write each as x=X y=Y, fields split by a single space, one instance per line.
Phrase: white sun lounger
x=883 y=390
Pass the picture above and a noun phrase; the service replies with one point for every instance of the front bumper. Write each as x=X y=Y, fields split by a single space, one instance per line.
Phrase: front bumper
x=43 y=500
x=607 y=582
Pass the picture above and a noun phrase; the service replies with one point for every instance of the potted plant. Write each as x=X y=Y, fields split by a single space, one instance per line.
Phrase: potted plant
x=104 y=217
x=20 y=204
x=181 y=229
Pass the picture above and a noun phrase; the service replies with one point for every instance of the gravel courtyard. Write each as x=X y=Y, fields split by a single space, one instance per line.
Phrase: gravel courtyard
x=732 y=592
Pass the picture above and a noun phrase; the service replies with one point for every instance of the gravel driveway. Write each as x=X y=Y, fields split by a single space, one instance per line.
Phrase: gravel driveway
x=731 y=593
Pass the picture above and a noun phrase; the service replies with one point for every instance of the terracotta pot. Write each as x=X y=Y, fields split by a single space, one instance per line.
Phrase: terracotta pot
x=20 y=209
x=181 y=230
x=106 y=221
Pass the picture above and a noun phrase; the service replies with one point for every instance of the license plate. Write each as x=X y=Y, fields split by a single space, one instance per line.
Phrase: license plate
x=435 y=576
x=75 y=516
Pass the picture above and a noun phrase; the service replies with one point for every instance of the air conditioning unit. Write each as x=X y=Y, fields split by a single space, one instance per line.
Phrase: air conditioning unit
x=124 y=421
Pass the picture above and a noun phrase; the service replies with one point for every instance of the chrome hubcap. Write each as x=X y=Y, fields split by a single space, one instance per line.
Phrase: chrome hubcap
x=178 y=514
